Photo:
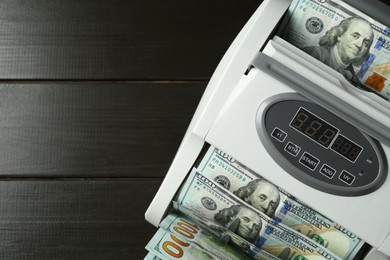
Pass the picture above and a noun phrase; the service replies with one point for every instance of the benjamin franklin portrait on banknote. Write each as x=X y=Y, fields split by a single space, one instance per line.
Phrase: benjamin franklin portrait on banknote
x=261 y=194
x=344 y=45
x=241 y=220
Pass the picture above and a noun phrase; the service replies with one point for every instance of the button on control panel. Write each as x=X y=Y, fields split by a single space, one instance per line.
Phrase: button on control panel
x=346 y=177
x=279 y=134
x=292 y=149
x=309 y=161
x=327 y=171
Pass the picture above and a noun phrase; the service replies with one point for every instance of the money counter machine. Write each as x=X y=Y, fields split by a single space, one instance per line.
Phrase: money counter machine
x=312 y=131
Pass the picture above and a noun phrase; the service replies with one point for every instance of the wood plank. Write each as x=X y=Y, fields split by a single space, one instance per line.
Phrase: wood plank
x=96 y=39
x=75 y=219
x=93 y=129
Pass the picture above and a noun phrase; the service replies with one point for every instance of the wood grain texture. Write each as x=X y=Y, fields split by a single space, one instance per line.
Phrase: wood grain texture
x=75 y=219
x=95 y=97
x=93 y=129
x=97 y=39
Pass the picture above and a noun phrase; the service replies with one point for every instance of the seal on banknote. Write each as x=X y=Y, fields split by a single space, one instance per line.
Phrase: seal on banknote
x=314 y=25
x=209 y=203
x=223 y=181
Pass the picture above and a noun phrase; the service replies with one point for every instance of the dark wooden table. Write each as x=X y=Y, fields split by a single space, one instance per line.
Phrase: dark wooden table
x=95 y=97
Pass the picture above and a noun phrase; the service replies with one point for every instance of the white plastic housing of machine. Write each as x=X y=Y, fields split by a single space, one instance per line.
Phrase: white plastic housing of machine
x=256 y=70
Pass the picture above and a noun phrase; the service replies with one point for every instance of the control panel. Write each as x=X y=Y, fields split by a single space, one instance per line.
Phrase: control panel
x=319 y=148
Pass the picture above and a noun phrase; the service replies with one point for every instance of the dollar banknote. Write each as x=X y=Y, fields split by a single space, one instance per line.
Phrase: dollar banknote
x=166 y=245
x=210 y=201
x=278 y=204
x=324 y=231
x=207 y=235
x=343 y=38
x=208 y=239
x=223 y=234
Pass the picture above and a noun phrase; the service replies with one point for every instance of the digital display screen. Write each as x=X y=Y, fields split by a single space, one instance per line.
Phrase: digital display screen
x=314 y=127
x=346 y=148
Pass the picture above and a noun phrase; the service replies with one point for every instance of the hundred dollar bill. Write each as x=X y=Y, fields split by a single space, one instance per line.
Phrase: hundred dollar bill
x=166 y=245
x=278 y=204
x=211 y=238
x=319 y=228
x=223 y=234
x=344 y=38
x=211 y=201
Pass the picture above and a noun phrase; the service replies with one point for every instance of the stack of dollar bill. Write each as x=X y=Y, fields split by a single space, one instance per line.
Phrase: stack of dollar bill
x=186 y=235
x=226 y=211
x=343 y=38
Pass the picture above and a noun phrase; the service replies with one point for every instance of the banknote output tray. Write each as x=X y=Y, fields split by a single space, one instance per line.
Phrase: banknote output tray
x=257 y=74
